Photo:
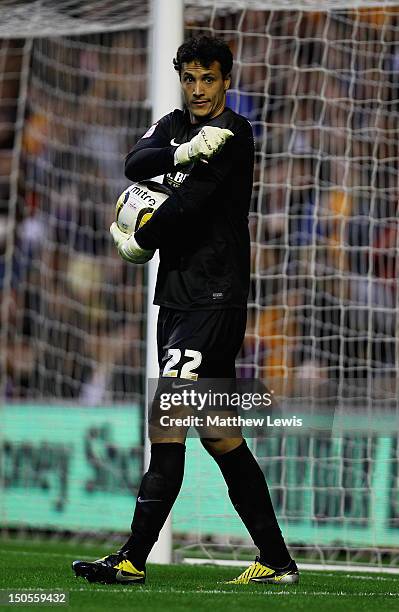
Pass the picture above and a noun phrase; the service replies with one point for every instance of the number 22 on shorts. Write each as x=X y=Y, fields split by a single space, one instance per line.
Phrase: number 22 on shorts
x=187 y=368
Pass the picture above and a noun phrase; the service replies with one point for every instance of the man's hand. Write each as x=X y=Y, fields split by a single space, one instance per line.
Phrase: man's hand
x=202 y=146
x=128 y=248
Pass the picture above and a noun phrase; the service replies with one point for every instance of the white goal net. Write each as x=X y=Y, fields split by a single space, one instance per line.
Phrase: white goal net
x=319 y=83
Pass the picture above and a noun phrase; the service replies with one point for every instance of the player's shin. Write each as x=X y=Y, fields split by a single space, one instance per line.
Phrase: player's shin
x=158 y=491
x=250 y=496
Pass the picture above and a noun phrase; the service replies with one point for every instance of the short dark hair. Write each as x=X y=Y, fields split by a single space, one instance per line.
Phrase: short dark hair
x=206 y=50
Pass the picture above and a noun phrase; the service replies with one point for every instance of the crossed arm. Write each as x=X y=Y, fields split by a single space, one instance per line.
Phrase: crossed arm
x=147 y=160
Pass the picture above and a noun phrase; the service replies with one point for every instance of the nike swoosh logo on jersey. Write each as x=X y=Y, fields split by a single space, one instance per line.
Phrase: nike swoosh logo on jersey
x=175 y=386
x=126 y=577
x=143 y=501
x=174 y=143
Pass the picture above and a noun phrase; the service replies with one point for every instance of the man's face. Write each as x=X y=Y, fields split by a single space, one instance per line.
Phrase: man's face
x=204 y=90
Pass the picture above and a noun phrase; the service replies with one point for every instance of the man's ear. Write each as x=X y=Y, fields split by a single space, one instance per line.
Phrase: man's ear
x=227 y=82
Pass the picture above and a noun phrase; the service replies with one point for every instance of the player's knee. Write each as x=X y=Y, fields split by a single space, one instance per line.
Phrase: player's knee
x=175 y=439
x=220 y=446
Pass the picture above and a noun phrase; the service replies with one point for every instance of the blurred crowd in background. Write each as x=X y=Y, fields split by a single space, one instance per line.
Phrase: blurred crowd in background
x=322 y=93
x=76 y=318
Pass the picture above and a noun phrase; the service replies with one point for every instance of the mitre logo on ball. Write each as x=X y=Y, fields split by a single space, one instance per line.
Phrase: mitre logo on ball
x=137 y=204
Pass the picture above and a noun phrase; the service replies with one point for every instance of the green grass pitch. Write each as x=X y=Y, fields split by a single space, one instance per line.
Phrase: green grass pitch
x=36 y=565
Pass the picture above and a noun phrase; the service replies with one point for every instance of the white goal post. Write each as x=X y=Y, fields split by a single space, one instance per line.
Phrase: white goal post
x=165 y=95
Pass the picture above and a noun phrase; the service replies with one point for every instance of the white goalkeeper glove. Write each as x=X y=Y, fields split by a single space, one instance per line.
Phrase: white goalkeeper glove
x=128 y=248
x=204 y=145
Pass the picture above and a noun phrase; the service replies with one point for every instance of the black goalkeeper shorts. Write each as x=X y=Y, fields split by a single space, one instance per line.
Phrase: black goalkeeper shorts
x=199 y=344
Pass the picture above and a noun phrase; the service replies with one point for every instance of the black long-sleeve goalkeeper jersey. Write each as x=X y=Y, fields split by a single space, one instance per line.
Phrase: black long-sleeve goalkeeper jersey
x=201 y=230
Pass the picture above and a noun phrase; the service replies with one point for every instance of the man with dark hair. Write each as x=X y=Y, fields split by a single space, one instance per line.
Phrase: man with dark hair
x=209 y=50
x=206 y=153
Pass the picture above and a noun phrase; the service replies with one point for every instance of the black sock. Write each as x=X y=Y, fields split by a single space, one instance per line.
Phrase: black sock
x=158 y=491
x=250 y=496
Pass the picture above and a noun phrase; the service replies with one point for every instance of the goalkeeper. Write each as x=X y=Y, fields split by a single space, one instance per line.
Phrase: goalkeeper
x=206 y=153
